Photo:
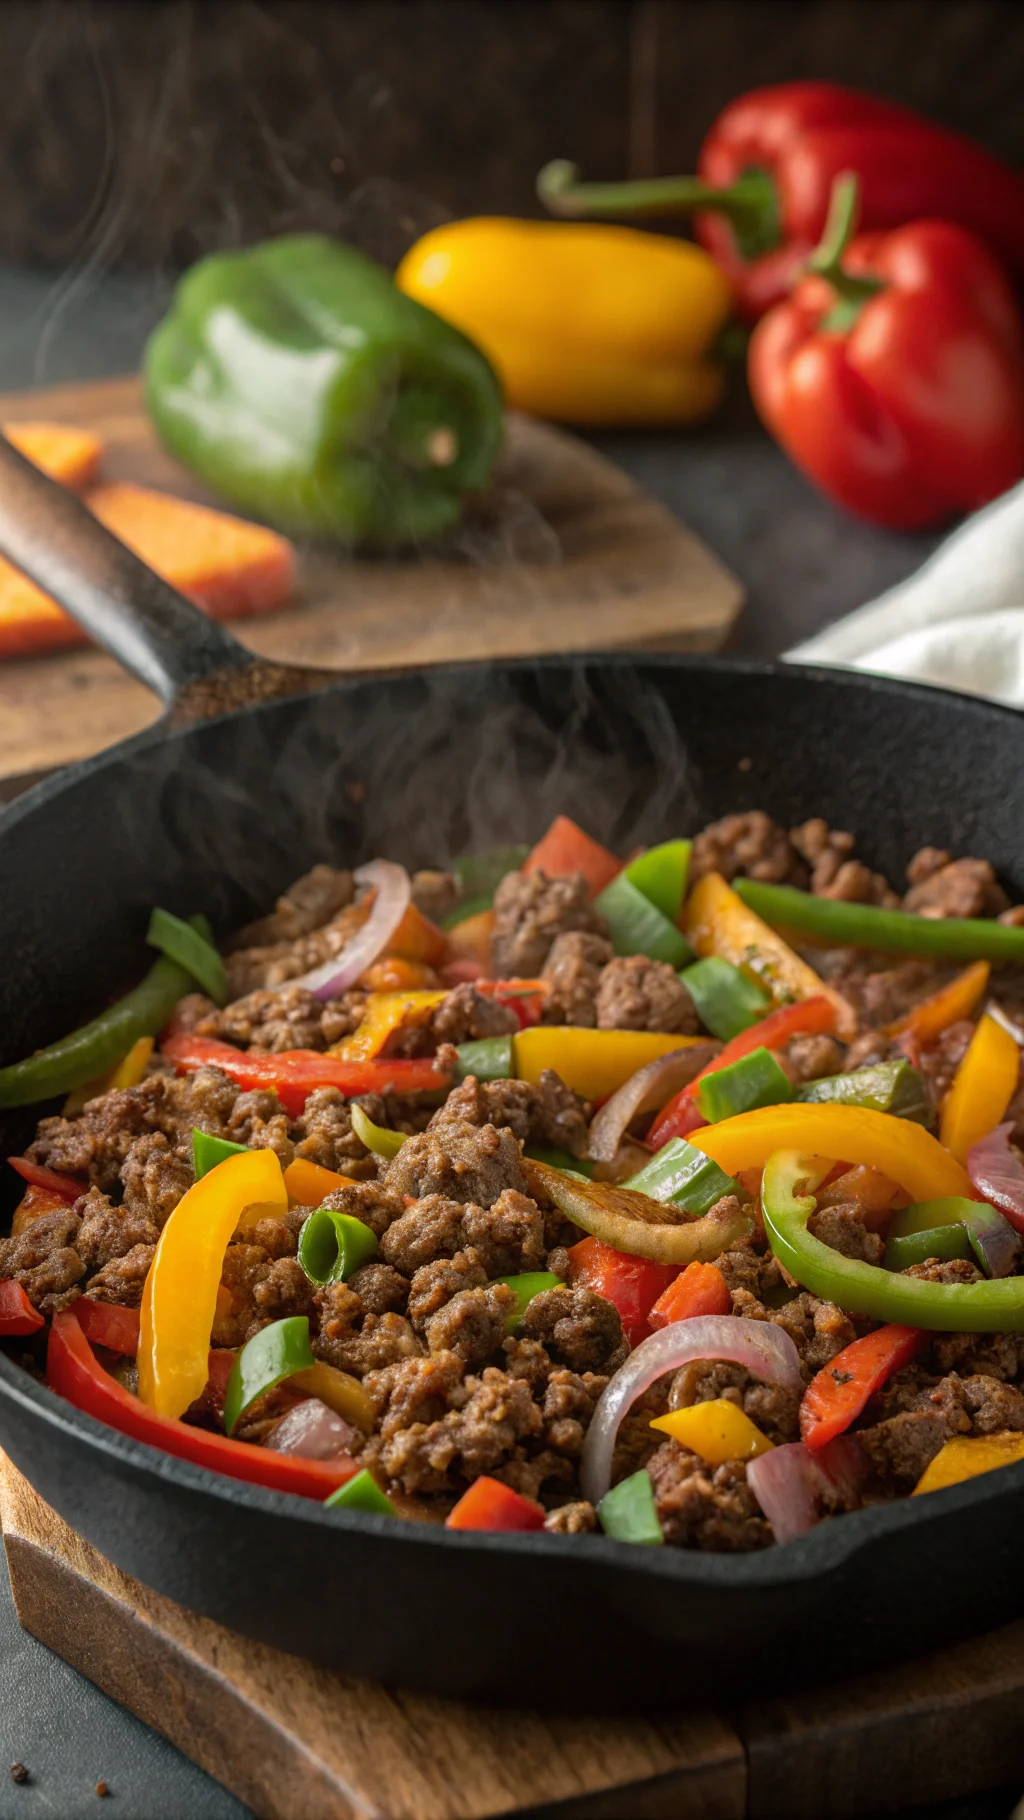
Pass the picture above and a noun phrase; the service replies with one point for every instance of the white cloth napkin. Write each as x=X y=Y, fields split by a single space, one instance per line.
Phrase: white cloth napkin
x=959 y=621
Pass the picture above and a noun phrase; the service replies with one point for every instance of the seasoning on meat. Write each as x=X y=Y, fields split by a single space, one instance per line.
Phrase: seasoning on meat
x=639 y=994
x=530 y=910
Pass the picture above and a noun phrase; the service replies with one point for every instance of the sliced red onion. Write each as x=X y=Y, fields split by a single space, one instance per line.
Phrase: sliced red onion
x=997 y=1172
x=787 y=1484
x=648 y=1090
x=844 y=1466
x=760 y=1347
x=313 y=1432
x=392 y=893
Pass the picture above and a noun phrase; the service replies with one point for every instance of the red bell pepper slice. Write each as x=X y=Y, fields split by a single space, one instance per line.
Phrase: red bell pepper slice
x=565 y=848
x=74 y=1372
x=841 y=1389
x=894 y=376
x=632 y=1285
x=66 y=1186
x=296 y=1073
x=488 y=1504
x=108 y=1324
x=699 y=1289
x=808 y=1017
x=17 y=1315
x=523 y=997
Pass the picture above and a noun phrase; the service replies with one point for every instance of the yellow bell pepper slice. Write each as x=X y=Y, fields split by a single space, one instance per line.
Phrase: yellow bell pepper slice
x=931 y=1016
x=983 y=1087
x=339 y=1390
x=309 y=1184
x=385 y=1012
x=718 y=1430
x=715 y=921
x=967 y=1455
x=594 y=1063
x=180 y=1294
x=897 y=1148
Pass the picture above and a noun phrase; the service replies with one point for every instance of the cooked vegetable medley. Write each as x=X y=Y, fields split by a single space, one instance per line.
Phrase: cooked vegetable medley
x=556 y=1192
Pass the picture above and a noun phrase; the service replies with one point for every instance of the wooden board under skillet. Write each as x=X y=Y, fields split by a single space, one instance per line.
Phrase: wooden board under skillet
x=567 y=554
x=298 y=1743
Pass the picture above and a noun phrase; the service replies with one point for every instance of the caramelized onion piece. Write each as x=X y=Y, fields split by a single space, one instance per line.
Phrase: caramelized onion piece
x=648 y=1090
x=635 y=1223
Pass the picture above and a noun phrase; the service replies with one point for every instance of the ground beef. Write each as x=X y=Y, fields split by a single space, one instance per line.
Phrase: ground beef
x=640 y=994
x=435 y=894
x=940 y=1061
x=370 y=1202
x=323 y=1132
x=576 y=1519
x=843 y=1229
x=771 y=1408
x=257 y=1289
x=414 y=1390
x=315 y=897
x=380 y=1289
x=940 y=886
x=705 y=1508
x=434 y=1284
x=569 y=1402
x=473 y=1323
x=192 y=1010
x=818 y=1329
x=834 y=871
x=900 y=1447
x=356 y=1341
x=759 y=1273
x=257 y=1121
x=122 y=1279
x=810 y=1058
x=467 y=1015
x=530 y=910
x=476 y=1438
x=203 y=1101
x=96 y=1143
x=546 y=1113
x=269 y=1021
x=44 y=1259
x=273 y=964
x=573 y=972
x=285 y=1290
x=993 y=1406
x=530 y=1360
x=747 y=846
x=106 y=1231
x=996 y=1355
x=882 y=995
x=578 y=1327
x=952 y=1270
x=460 y=1161
x=155 y=1178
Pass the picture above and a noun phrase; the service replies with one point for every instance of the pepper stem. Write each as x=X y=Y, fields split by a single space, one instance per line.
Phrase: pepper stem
x=852 y=291
x=751 y=203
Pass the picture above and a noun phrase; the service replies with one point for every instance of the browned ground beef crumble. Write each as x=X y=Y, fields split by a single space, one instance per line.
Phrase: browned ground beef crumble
x=424 y=1326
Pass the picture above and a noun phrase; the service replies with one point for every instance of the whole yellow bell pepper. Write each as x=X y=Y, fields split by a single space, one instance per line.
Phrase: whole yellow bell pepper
x=180 y=1293
x=715 y=921
x=897 y=1148
x=965 y=1456
x=584 y=323
x=718 y=1430
x=983 y=1087
x=593 y=1063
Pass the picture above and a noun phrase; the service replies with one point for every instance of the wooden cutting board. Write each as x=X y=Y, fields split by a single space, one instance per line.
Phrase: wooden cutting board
x=298 y=1743
x=566 y=554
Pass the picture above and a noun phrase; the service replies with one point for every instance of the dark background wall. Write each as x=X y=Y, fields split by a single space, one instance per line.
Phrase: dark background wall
x=148 y=131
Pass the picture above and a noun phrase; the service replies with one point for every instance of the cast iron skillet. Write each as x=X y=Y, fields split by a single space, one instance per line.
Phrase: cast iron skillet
x=222 y=813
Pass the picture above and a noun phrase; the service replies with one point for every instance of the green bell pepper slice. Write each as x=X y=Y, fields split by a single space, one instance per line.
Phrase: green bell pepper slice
x=297 y=381
x=727 y=1001
x=378 y=1138
x=660 y=874
x=478 y=875
x=637 y=926
x=787 y=1201
x=526 y=1286
x=988 y=1236
x=184 y=943
x=943 y=1242
x=893 y=931
x=208 y=1151
x=332 y=1245
x=683 y=1176
x=893 y=1087
x=755 y=1080
x=490 y=1058
x=467 y=907
x=273 y=1354
x=628 y=1513
x=361 y=1493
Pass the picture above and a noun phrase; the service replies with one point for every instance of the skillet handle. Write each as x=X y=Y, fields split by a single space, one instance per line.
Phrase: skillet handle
x=188 y=660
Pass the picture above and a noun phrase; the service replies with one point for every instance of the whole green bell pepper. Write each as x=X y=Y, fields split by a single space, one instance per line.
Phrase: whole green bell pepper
x=298 y=382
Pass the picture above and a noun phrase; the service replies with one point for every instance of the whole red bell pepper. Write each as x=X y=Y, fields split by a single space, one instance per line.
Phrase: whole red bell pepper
x=295 y=1073
x=894 y=374
x=841 y=1389
x=808 y=1017
x=74 y=1372
x=17 y=1315
x=766 y=170
x=632 y=1285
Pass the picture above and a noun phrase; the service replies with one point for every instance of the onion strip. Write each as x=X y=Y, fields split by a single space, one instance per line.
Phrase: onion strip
x=392 y=890
x=631 y=1222
x=648 y=1090
x=997 y=1173
x=760 y=1347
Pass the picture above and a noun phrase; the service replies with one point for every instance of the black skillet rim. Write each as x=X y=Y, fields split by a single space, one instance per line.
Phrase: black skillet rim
x=827 y=1548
